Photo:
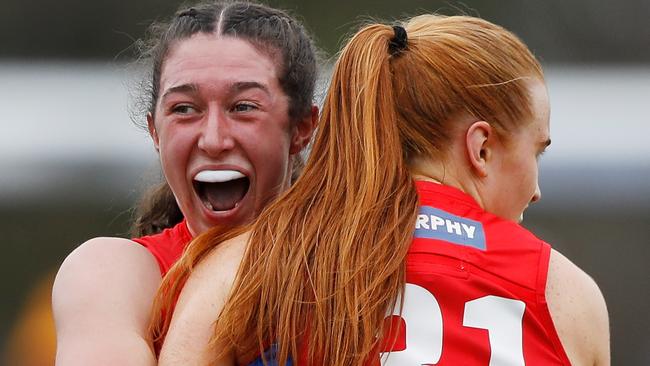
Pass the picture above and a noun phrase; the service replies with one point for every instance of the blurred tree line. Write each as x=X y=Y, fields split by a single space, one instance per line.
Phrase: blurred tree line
x=578 y=31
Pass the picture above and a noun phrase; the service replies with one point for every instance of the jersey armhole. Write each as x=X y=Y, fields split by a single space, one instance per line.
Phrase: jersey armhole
x=154 y=252
x=549 y=325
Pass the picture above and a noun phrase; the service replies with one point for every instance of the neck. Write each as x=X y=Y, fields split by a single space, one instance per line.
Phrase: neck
x=447 y=173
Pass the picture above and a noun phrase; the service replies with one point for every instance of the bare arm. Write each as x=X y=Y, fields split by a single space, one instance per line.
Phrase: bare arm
x=579 y=312
x=199 y=305
x=101 y=300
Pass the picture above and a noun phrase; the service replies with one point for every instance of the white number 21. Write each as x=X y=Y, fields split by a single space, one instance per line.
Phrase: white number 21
x=501 y=317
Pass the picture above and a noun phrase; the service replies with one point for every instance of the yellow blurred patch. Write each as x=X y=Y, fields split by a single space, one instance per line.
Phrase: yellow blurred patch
x=32 y=341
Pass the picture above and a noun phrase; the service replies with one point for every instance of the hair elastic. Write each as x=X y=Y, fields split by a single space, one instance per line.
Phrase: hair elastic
x=191 y=12
x=399 y=42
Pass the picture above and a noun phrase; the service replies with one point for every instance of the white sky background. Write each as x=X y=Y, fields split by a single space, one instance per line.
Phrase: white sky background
x=67 y=113
x=599 y=115
x=54 y=117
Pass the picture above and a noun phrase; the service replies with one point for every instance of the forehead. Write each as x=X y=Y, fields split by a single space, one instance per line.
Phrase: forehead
x=212 y=61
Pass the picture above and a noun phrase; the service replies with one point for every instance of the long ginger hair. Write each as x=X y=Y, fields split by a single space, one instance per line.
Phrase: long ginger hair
x=325 y=262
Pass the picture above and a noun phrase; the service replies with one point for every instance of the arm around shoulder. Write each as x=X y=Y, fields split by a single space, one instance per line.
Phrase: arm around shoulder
x=199 y=305
x=101 y=301
x=579 y=312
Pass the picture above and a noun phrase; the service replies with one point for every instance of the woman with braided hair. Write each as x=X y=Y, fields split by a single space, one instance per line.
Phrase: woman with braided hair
x=399 y=244
x=230 y=108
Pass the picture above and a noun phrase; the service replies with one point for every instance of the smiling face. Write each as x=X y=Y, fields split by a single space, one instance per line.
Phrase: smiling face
x=222 y=129
x=513 y=177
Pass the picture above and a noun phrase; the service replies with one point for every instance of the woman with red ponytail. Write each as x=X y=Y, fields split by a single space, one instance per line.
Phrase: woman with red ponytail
x=400 y=243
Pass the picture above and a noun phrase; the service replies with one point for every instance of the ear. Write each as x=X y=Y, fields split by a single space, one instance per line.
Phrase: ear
x=152 y=131
x=478 y=144
x=303 y=131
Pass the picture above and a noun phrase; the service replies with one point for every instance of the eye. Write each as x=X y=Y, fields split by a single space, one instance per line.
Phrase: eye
x=244 y=107
x=183 y=109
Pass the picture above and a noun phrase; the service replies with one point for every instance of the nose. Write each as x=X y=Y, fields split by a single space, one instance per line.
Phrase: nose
x=216 y=134
x=537 y=195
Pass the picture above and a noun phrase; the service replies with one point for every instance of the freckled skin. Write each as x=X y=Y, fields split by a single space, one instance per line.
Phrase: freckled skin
x=514 y=183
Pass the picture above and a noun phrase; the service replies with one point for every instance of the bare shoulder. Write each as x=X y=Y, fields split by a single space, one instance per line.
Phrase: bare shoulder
x=211 y=280
x=215 y=274
x=200 y=303
x=224 y=258
x=107 y=284
x=579 y=312
x=101 y=266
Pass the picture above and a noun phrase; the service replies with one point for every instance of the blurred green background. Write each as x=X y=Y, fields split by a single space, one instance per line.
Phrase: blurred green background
x=72 y=163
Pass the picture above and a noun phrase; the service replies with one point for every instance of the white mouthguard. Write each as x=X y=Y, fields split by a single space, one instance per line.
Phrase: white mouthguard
x=217 y=176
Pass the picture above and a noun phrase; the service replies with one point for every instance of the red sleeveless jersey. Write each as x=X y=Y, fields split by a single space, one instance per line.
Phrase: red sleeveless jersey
x=475 y=290
x=168 y=245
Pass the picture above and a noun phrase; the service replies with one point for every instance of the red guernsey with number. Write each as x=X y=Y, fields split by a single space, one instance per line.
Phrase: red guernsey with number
x=475 y=292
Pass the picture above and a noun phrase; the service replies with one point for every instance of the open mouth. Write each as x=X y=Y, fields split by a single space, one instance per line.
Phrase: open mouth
x=221 y=190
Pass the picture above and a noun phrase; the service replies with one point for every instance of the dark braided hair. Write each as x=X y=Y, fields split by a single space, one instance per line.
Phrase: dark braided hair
x=272 y=31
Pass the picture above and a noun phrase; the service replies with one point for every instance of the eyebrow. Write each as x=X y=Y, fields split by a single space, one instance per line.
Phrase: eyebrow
x=183 y=88
x=233 y=89
x=241 y=86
